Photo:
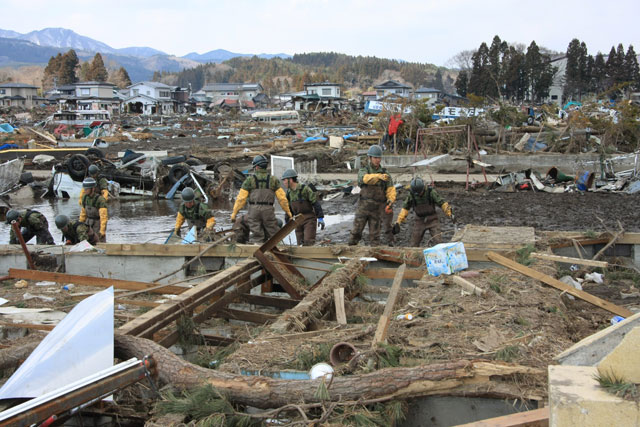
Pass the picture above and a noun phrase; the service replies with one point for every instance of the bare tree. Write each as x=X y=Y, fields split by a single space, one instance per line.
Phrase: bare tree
x=461 y=60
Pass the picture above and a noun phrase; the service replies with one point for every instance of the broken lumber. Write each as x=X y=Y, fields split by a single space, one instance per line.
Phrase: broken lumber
x=466 y=285
x=462 y=377
x=101 y=282
x=338 y=300
x=569 y=260
x=383 y=323
x=585 y=296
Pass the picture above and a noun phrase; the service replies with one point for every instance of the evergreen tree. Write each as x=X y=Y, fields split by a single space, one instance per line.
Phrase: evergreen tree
x=479 y=80
x=573 y=74
x=612 y=67
x=514 y=75
x=437 y=81
x=493 y=69
x=631 y=69
x=98 y=72
x=598 y=73
x=67 y=71
x=461 y=83
x=50 y=76
x=84 y=72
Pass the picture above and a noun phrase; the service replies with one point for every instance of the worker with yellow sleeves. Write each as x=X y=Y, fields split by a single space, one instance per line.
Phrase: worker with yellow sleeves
x=196 y=213
x=94 y=209
x=261 y=189
x=423 y=201
x=377 y=195
x=102 y=183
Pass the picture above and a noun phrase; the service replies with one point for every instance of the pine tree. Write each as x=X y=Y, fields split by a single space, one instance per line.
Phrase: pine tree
x=612 y=67
x=479 y=80
x=461 y=83
x=493 y=69
x=598 y=73
x=67 y=70
x=632 y=71
x=573 y=74
x=51 y=71
x=97 y=71
x=437 y=81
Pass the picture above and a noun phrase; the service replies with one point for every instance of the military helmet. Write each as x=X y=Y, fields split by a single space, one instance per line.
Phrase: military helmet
x=93 y=170
x=260 y=161
x=12 y=215
x=374 y=151
x=89 y=183
x=62 y=221
x=417 y=185
x=188 y=195
x=289 y=173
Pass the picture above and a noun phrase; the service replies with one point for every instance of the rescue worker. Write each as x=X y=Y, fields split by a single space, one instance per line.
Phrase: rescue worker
x=94 y=209
x=103 y=184
x=195 y=212
x=74 y=232
x=303 y=200
x=31 y=223
x=423 y=201
x=242 y=231
x=377 y=194
x=261 y=189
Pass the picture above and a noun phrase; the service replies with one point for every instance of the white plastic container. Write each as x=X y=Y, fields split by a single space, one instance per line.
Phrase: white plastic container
x=446 y=258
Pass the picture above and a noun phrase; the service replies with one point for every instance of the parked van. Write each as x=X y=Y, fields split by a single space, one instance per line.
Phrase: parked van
x=276 y=117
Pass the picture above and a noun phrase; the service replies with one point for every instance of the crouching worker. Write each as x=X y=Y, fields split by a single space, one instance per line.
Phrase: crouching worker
x=302 y=200
x=94 y=209
x=196 y=213
x=423 y=200
x=74 y=232
x=31 y=224
x=242 y=230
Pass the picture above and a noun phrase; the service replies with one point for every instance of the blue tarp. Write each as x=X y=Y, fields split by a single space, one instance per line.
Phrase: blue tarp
x=6 y=127
x=8 y=146
x=315 y=138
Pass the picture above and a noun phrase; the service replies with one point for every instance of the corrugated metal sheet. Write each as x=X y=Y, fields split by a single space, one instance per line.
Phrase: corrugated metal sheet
x=10 y=174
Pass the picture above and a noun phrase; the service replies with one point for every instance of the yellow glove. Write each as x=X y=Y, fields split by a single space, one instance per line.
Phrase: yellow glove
x=80 y=199
x=391 y=194
x=284 y=203
x=241 y=200
x=446 y=208
x=179 y=222
x=402 y=216
x=210 y=223
x=373 y=178
x=83 y=215
x=105 y=194
x=104 y=217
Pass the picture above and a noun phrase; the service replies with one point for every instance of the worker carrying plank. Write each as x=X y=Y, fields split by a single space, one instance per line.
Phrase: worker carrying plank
x=303 y=200
x=260 y=190
x=423 y=200
x=377 y=196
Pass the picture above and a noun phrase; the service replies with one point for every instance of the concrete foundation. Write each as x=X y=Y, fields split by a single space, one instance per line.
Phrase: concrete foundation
x=136 y=268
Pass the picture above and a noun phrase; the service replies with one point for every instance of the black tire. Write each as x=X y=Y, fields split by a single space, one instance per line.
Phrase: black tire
x=94 y=152
x=77 y=166
x=288 y=131
x=193 y=161
x=178 y=171
x=173 y=160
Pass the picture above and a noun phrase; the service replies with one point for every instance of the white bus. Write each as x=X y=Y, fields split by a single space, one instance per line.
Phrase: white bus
x=276 y=117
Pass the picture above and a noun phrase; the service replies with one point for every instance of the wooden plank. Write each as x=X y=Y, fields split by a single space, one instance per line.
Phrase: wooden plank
x=283 y=303
x=390 y=273
x=246 y=316
x=569 y=260
x=383 y=323
x=466 y=285
x=621 y=311
x=17 y=273
x=217 y=340
x=36 y=326
x=338 y=300
x=533 y=418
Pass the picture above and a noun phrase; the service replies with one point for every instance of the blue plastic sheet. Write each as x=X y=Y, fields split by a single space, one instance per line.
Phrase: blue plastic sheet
x=6 y=127
x=8 y=146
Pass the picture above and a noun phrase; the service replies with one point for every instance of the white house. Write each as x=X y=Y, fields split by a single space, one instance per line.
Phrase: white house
x=392 y=87
x=323 y=90
x=149 y=98
x=233 y=91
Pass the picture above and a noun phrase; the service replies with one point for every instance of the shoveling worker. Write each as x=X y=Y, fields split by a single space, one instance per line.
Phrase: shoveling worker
x=31 y=223
x=195 y=212
x=377 y=195
x=103 y=184
x=242 y=230
x=74 y=232
x=303 y=200
x=94 y=209
x=423 y=200
x=261 y=189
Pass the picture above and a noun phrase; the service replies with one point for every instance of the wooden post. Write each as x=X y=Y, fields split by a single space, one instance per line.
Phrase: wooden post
x=383 y=323
x=338 y=299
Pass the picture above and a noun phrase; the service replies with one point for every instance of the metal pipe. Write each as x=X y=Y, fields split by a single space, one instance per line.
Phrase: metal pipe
x=16 y=230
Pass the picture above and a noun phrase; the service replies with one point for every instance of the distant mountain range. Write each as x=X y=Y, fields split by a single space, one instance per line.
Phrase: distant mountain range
x=37 y=47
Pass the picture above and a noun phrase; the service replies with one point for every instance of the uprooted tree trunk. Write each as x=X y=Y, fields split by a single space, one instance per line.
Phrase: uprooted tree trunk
x=463 y=377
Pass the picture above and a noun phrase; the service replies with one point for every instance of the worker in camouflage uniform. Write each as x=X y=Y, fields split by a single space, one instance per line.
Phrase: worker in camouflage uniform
x=302 y=200
x=103 y=184
x=261 y=189
x=377 y=195
x=423 y=200
x=31 y=223
x=196 y=213
x=94 y=209
x=242 y=230
x=74 y=232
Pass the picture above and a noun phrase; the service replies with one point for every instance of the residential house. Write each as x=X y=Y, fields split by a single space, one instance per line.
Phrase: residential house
x=369 y=96
x=96 y=96
x=18 y=94
x=323 y=90
x=232 y=91
x=429 y=94
x=150 y=98
x=392 y=87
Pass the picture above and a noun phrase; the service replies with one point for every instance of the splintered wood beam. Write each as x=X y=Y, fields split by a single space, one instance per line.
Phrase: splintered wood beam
x=569 y=260
x=246 y=316
x=466 y=285
x=585 y=296
x=283 y=303
x=383 y=323
x=338 y=300
x=217 y=340
x=101 y=282
x=533 y=418
x=153 y=320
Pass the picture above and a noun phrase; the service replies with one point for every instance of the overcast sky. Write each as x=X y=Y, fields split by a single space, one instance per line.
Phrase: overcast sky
x=412 y=30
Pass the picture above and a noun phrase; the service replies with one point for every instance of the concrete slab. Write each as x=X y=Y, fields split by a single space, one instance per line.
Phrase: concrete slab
x=576 y=399
x=594 y=348
x=623 y=361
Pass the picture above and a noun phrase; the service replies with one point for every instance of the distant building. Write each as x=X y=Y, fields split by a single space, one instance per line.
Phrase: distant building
x=150 y=98
x=392 y=87
x=323 y=90
x=18 y=94
x=95 y=96
x=430 y=94
x=234 y=91
x=369 y=96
